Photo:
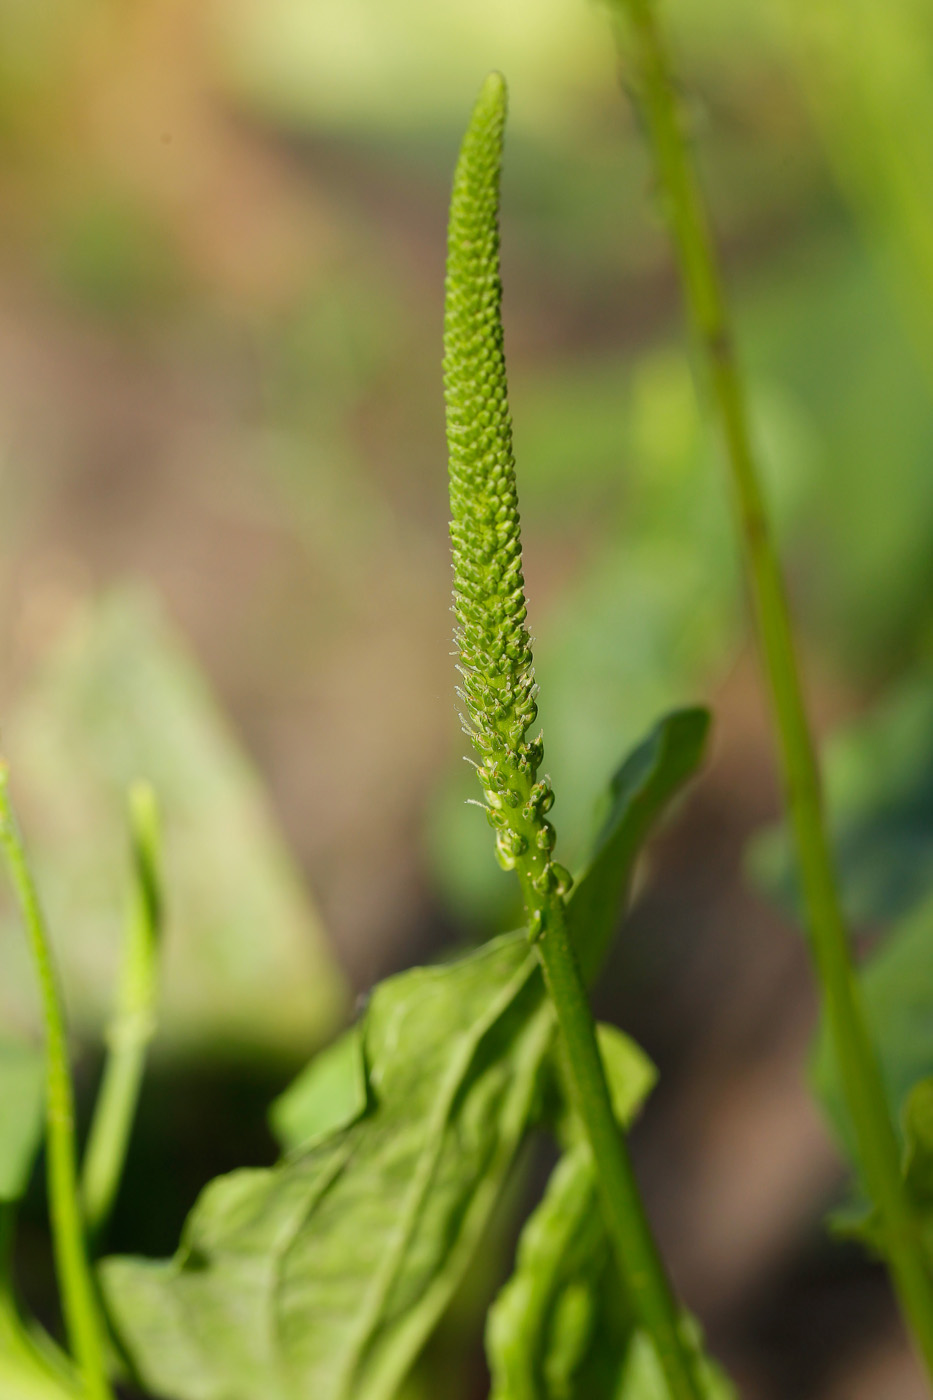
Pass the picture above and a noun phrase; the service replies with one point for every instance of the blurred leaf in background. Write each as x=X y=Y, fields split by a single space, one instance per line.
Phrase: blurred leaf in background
x=866 y=74
x=879 y=777
x=245 y=958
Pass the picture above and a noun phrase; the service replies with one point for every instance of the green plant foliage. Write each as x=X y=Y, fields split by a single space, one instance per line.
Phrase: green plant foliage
x=329 y=1094
x=860 y=1221
x=562 y=1327
x=879 y=780
x=22 y=1115
x=323 y=1276
x=866 y=74
x=244 y=959
x=341 y=1259
x=134 y=1020
x=897 y=981
x=640 y=789
x=28 y=1369
x=543 y=1329
x=880 y=795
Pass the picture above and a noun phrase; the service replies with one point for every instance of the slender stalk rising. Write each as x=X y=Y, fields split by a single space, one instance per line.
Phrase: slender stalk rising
x=499 y=691
x=134 y=1021
x=79 y=1302
x=648 y=69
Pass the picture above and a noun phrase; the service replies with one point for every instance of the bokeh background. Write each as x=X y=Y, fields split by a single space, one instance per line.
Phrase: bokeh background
x=224 y=564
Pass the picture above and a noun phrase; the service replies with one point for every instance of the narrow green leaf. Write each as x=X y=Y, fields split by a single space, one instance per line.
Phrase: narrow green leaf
x=640 y=790
x=134 y=1021
x=22 y=1113
x=630 y=1073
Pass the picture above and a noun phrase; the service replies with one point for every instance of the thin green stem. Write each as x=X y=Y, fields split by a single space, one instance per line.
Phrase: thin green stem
x=133 y=1024
x=639 y=1259
x=79 y=1303
x=860 y=1070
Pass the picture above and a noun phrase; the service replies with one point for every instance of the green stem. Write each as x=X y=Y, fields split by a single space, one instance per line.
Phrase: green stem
x=860 y=1070
x=639 y=1259
x=133 y=1023
x=79 y=1303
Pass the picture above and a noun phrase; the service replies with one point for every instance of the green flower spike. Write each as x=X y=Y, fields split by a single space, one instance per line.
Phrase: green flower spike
x=489 y=591
x=499 y=696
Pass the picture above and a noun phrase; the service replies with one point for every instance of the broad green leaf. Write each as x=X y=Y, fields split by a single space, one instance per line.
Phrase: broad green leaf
x=329 y=1094
x=22 y=1107
x=331 y=1091
x=244 y=958
x=324 y=1275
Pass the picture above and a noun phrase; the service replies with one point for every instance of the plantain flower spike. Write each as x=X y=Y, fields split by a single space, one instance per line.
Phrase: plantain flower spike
x=496 y=662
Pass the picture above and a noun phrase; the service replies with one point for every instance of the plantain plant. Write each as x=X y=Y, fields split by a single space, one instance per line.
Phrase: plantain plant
x=499 y=697
x=324 y=1275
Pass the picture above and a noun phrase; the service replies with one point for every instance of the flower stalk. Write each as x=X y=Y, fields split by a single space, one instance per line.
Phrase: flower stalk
x=83 y=1320
x=498 y=694
x=134 y=1021
x=647 y=65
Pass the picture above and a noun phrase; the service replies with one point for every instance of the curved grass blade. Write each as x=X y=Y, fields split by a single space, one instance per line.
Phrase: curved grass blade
x=134 y=1021
x=79 y=1302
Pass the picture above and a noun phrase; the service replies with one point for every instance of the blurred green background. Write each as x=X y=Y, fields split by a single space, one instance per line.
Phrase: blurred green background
x=223 y=525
